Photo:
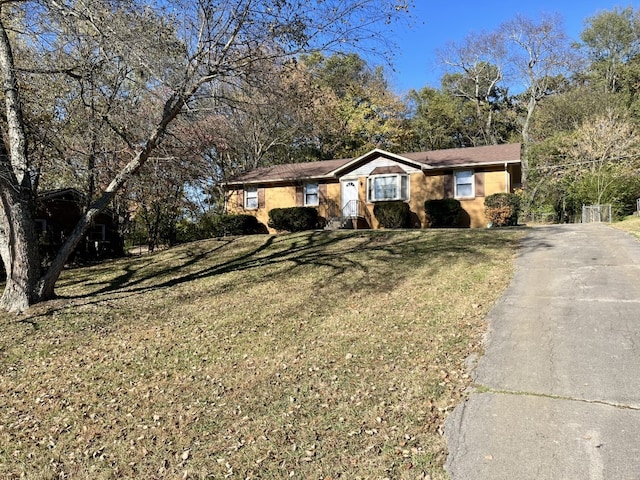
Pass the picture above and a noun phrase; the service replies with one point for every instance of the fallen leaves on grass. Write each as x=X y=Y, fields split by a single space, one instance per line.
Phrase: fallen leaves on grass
x=315 y=355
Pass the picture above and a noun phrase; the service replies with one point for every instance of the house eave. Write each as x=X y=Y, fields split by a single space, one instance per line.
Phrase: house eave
x=283 y=180
x=427 y=167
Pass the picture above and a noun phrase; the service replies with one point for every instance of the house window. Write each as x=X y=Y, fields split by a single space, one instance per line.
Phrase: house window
x=464 y=183
x=251 y=198
x=40 y=225
x=98 y=233
x=311 y=198
x=387 y=187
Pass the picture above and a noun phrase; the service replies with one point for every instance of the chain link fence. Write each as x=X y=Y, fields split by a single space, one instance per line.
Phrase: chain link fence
x=596 y=213
x=538 y=217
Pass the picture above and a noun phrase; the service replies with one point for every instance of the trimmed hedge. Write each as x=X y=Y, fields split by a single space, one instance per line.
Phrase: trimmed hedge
x=222 y=225
x=187 y=231
x=293 y=219
x=443 y=213
x=392 y=214
x=502 y=209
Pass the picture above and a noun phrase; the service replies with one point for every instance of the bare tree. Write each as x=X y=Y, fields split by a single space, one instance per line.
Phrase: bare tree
x=535 y=54
x=262 y=123
x=173 y=50
x=477 y=69
x=541 y=58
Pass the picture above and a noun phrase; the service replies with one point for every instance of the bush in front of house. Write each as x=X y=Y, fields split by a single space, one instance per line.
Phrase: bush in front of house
x=293 y=219
x=186 y=231
x=225 y=225
x=502 y=209
x=443 y=213
x=392 y=214
x=217 y=225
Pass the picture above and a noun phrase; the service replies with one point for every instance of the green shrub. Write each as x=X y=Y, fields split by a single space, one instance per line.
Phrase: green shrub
x=443 y=213
x=502 y=209
x=293 y=219
x=187 y=231
x=224 y=225
x=217 y=226
x=392 y=214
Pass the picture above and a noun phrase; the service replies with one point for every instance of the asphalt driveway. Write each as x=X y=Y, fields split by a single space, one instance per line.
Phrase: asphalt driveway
x=558 y=389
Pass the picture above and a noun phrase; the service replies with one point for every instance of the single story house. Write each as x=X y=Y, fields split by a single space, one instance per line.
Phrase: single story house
x=58 y=212
x=346 y=190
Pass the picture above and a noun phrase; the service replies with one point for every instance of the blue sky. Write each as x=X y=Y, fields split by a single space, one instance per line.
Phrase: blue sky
x=435 y=23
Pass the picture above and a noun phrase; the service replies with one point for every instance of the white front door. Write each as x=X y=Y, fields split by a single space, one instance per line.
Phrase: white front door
x=350 y=198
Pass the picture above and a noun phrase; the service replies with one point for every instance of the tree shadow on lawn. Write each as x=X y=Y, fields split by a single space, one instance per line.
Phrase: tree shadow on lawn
x=136 y=266
x=283 y=255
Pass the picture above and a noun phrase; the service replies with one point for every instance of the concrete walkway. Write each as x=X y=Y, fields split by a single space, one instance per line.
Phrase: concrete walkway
x=558 y=389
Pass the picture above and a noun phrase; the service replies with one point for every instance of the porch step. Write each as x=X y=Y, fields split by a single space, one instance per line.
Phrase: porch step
x=337 y=223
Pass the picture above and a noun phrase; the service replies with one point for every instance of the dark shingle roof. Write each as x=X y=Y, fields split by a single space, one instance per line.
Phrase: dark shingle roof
x=384 y=170
x=290 y=171
x=454 y=157
x=69 y=193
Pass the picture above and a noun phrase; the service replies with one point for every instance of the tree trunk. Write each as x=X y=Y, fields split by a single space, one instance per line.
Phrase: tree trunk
x=526 y=139
x=45 y=289
x=19 y=250
x=18 y=241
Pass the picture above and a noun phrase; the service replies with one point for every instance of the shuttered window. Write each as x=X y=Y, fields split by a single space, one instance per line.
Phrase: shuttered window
x=311 y=195
x=251 y=198
x=464 y=184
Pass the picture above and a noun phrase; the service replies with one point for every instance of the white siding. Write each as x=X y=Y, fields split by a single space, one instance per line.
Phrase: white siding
x=366 y=169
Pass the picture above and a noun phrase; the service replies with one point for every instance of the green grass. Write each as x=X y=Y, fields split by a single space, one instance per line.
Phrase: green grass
x=313 y=355
x=630 y=224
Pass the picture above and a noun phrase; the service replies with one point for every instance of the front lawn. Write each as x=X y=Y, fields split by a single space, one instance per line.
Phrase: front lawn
x=630 y=224
x=313 y=356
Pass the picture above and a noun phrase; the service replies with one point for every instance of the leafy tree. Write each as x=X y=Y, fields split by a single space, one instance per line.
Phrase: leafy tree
x=568 y=110
x=259 y=123
x=630 y=87
x=172 y=52
x=546 y=192
x=317 y=108
x=597 y=163
x=158 y=198
x=611 y=39
x=435 y=120
x=607 y=147
x=604 y=89
x=358 y=111
x=340 y=73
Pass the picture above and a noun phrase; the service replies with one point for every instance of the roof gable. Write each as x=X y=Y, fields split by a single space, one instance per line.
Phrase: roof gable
x=373 y=155
x=69 y=193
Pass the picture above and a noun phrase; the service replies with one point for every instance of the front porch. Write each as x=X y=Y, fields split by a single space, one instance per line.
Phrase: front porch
x=352 y=216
